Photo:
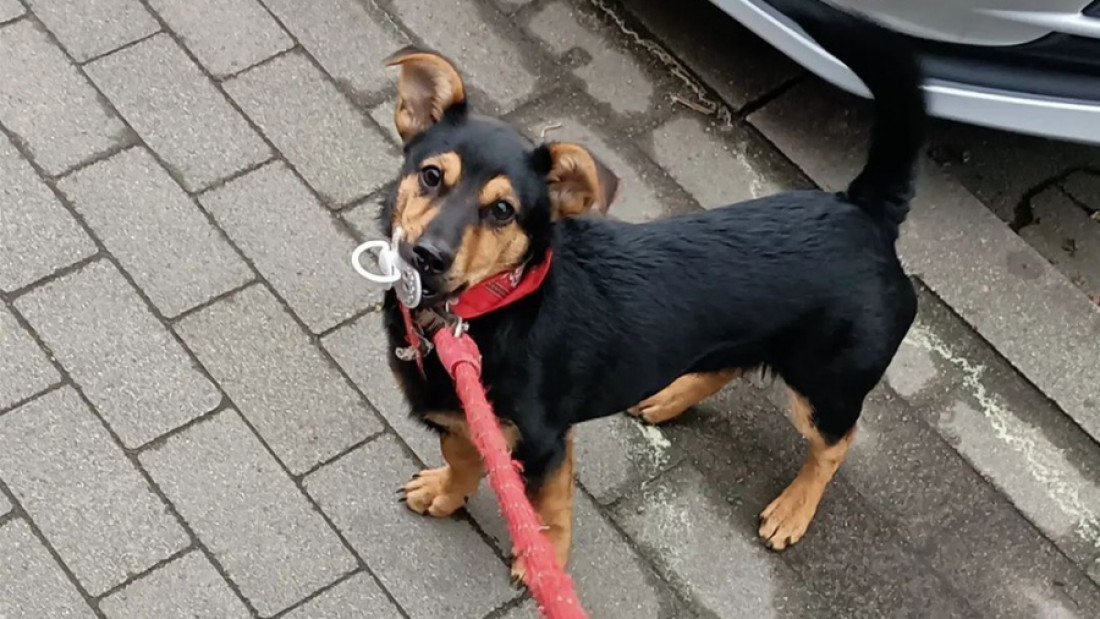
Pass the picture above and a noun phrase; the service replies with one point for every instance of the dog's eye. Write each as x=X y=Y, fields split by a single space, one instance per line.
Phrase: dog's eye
x=430 y=176
x=502 y=212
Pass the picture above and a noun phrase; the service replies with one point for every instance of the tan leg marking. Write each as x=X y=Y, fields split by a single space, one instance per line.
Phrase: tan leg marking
x=441 y=492
x=785 y=520
x=553 y=502
x=682 y=394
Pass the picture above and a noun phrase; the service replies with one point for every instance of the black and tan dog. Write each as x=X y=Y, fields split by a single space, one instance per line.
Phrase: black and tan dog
x=653 y=317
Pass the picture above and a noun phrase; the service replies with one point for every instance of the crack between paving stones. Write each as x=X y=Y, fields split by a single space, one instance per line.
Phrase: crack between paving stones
x=1023 y=213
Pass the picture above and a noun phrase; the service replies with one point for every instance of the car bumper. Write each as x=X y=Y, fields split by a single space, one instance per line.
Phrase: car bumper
x=1044 y=92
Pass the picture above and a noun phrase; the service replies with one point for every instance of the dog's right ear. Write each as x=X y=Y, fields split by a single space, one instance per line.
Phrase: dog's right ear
x=578 y=182
x=429 y=85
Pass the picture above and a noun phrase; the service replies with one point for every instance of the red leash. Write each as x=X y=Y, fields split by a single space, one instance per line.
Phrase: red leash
x=548 y=582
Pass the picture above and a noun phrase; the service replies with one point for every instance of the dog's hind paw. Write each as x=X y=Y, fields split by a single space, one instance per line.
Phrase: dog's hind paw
x=683 y=393
x=785 y=520
x=660 y=408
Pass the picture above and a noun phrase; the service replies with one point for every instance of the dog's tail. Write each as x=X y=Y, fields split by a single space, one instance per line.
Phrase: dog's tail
x=888 y=65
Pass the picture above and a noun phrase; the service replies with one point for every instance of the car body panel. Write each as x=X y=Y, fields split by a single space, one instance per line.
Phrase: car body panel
x=980 y=22
x=1066 y=118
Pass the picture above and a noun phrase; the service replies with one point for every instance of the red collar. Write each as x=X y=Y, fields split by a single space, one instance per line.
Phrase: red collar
x=487 y=296
x=501 y=290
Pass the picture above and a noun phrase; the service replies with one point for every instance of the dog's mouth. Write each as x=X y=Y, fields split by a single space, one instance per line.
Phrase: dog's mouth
x=435 y=288
x=434 y=292
x=430 y=294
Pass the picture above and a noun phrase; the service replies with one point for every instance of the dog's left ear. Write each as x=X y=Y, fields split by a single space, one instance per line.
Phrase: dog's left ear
x=429 y=85
x=576 y=179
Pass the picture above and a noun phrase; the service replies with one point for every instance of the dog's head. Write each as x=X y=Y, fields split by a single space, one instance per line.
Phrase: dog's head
x=475 y=197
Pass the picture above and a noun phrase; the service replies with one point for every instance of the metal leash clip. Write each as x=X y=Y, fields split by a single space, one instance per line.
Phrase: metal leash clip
x=395 y=272
x=453 y=320
x=410 y=353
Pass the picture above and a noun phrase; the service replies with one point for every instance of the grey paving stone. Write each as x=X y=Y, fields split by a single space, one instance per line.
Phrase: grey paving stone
x=1000 y=168
x=155 y=230
x=383 y=115
x=686 y=528
x=37 y=235
x=363 y=219
x=91 y=28
x=294 y=243
x=611 y=76
x=358 y=597
x=1036 y=458
x=855 y=560
x=1084 y=187
x=728 y=57
x=278 y=379
x=494 y=64
x=962 y=251
x=47 y=102
x=617 y=454
x=178 y=111
x=225 y=35
x=188 y=587
x=31 y=584
x=10 y=9
x=328 y=141
x=1020 y=461
x=432 y=567
x=150 y=385
x=1008 y=569
x=1067 y=236
x=906 y=463
x=716 y=169
x=247 y=512
x=24 y=367
x=912 y=370
x=348 y=42
x=510 y=6
x=88 y=500
x=527 y=610
x=360 y=349
x=5 y=505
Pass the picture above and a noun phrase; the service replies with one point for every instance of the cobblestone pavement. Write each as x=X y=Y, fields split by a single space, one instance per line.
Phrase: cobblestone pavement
x=196 y=420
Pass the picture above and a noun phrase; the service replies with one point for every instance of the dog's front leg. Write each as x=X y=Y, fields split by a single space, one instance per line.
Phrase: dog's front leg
x=441 y=492
x=552 y=499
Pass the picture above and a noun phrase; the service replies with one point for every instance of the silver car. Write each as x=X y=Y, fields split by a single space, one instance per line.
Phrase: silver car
x=1030 y=66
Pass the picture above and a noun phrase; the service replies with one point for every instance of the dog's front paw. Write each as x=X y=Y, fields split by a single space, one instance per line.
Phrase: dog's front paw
x=519 y=571
x=560 y=539
x=431 y=492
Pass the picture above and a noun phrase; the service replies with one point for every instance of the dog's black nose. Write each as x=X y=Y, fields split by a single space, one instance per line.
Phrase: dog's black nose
x=430 y=259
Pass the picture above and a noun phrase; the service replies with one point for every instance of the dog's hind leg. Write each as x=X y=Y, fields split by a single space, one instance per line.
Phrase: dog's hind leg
x=682 y=394
x=785 y=520
x=553 y=501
